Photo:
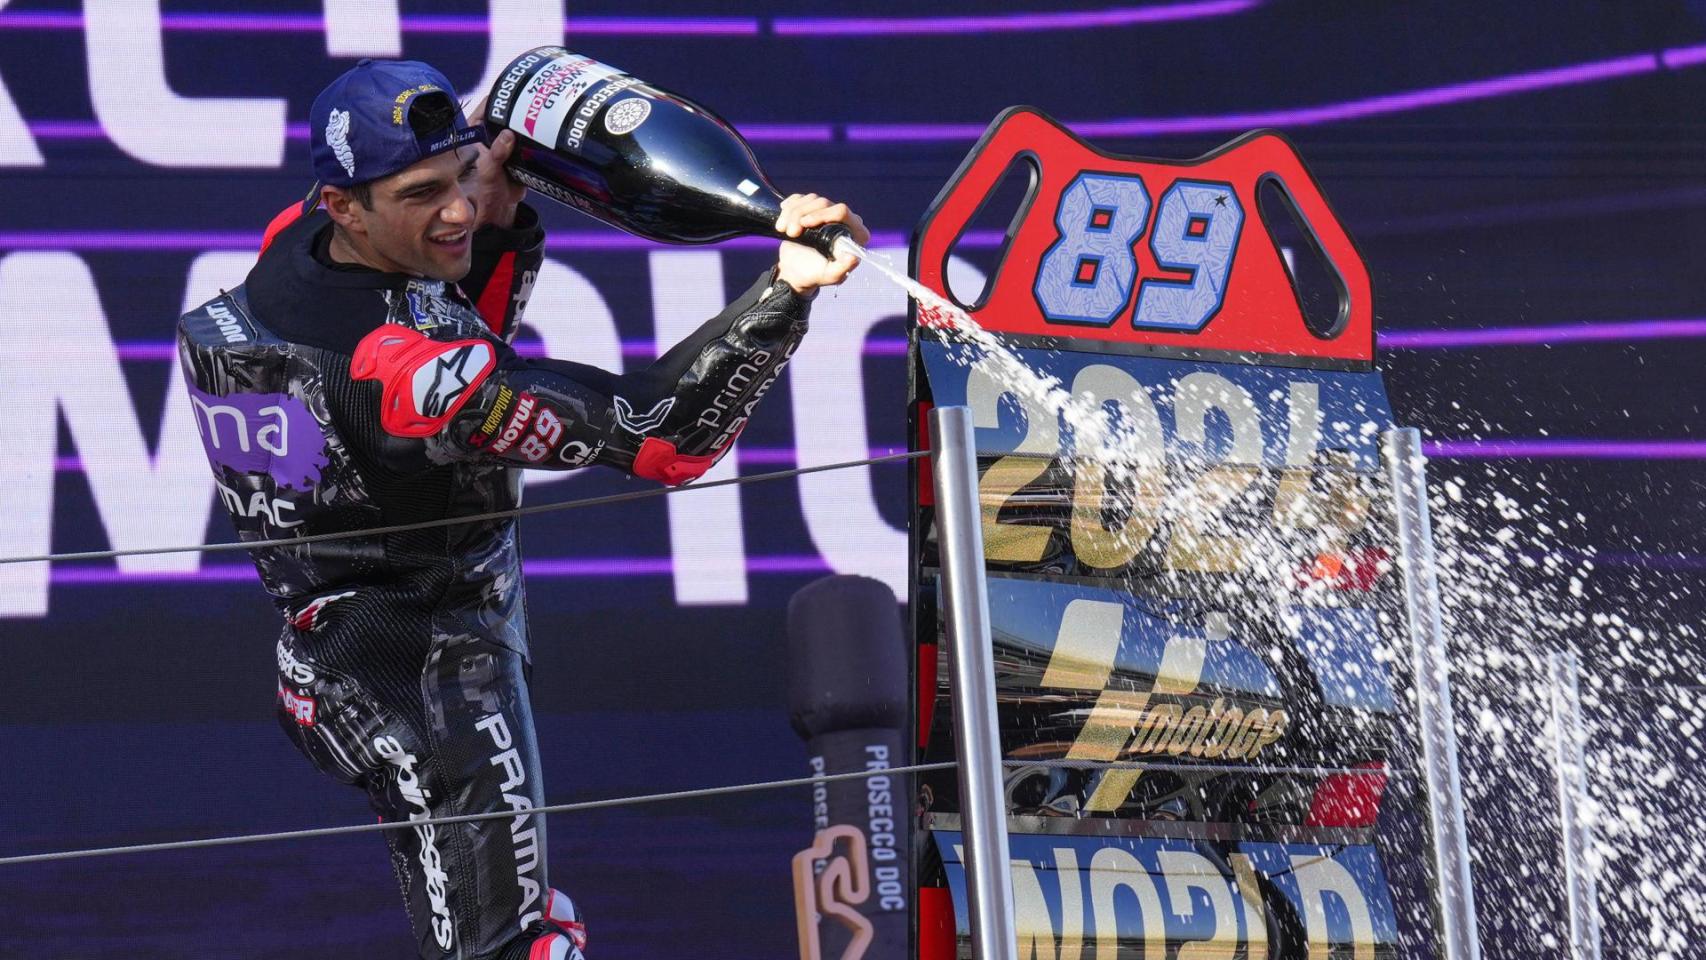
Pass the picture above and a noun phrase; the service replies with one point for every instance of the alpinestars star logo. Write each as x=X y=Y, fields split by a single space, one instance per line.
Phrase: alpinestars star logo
x=337 y=137
x=644 y=423
x=440 y=384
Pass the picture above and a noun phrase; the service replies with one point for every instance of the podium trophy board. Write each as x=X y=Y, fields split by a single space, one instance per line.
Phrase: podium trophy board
x=1201 y=655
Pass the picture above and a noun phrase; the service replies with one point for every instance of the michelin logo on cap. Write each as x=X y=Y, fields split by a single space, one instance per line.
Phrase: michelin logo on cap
x=337 y=137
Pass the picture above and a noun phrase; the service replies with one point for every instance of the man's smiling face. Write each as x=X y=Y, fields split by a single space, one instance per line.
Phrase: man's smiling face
x=422 y=219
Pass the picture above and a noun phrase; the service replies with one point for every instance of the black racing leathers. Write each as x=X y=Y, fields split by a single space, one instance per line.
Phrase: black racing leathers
x=337 y=398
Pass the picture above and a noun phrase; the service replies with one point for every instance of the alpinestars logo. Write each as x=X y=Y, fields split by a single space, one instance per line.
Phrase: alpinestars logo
x=337 y=137
x=644 y=423
x=432 y=865
x=298 y=672
x=438 y=385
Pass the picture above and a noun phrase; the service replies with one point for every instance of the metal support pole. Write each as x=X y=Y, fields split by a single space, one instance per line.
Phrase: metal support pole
x=1407 y=470
x=965 y=603
x=1569 y=738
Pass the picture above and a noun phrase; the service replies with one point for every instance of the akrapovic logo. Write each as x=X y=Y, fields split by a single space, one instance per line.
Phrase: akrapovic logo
x=432 y=865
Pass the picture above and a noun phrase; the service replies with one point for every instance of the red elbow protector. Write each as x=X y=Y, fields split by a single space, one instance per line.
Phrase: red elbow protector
x=657 y=460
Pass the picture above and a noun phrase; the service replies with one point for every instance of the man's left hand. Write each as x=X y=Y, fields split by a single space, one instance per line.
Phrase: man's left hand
x=800 y=266
x=494 y=192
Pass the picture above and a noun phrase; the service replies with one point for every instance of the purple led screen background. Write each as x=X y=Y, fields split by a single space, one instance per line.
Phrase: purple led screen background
x=1528 y=191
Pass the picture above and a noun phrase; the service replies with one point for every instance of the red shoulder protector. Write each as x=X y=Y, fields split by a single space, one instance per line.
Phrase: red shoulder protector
x=424 y=381
x=285 y=218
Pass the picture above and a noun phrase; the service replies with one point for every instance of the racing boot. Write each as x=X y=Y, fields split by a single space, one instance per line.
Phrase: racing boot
x=566 y=939
x=563 y=914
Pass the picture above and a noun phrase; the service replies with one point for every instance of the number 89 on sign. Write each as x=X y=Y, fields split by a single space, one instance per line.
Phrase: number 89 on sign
x=1088 y=275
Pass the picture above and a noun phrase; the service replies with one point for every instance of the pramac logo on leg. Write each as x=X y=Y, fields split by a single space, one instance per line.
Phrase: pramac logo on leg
x=834 y=893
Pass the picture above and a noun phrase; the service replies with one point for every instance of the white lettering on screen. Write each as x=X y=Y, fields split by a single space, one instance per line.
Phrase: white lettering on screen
x=363 y=28
x=150 y=495
x=706 y=536
x=17 y=147
x=145 y=118
x=517 y=26
x=143 y=499
x=826 y=378
x=573 y=322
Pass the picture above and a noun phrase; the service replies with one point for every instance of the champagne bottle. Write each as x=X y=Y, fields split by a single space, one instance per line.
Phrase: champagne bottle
x=639 y=158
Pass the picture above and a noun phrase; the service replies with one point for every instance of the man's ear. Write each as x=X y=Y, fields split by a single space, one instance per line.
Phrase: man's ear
x=343 y=208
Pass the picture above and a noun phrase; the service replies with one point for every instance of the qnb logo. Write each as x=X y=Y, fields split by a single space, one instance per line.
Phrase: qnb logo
x=432 y=865
x=835 y=892
x=261 y=433
x=440 y=384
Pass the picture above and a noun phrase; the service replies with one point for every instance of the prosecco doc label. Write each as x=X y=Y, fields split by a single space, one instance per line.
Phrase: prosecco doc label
x=541 y=94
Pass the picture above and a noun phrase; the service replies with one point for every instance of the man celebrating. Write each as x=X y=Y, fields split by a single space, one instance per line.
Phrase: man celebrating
x=362 y=377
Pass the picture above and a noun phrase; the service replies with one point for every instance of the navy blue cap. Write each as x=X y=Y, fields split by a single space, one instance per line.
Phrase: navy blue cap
x=368 y=123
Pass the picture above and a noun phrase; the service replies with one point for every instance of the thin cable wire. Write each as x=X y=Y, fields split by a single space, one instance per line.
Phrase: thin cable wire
x=698 y=793
x=505 y=814
x=457 y=521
